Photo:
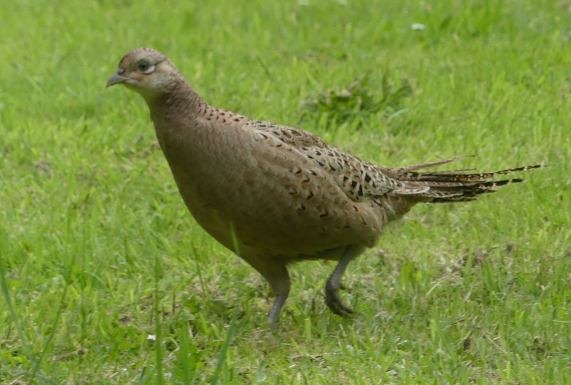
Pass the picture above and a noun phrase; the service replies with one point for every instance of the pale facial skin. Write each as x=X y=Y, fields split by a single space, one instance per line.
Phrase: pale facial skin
x=147 y=72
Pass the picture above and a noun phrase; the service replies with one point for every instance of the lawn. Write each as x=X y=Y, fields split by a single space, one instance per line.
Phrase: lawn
x=106 y=279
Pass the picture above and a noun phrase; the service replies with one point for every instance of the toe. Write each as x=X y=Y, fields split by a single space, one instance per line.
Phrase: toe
x=335 y=303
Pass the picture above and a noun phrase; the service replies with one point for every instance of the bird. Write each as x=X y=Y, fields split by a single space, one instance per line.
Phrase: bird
x=274 y=194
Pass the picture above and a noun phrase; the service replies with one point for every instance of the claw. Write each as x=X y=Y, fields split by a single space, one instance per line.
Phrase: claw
x=334 y=301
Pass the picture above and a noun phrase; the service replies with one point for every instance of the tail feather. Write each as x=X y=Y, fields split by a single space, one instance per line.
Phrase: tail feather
x=427 y=164
x=460 y=176
x=451 y=186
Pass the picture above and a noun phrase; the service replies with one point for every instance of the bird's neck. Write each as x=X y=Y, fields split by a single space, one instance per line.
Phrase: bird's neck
x=179 y=101
x=175 y=114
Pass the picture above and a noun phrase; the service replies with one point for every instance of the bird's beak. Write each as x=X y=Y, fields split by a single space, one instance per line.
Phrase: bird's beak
x=116 y=79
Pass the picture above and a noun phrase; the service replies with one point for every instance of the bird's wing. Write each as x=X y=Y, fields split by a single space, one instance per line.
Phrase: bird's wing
x=357 y=178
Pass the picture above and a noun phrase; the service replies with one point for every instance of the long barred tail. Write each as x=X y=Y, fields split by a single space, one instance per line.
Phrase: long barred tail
x=451 y=186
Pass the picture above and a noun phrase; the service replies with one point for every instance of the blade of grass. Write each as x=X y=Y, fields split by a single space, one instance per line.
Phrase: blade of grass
x=158 y=329
x=184 y=355
x=19 y=329
x=67 y=279
x=232 y=329
x=36 y=365
x=224 y=351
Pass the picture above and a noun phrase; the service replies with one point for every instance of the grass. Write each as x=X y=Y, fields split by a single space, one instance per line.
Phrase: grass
x=107 y=280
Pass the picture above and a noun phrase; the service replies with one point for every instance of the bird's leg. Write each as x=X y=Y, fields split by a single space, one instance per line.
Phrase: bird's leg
x=280 y=283
x=332 y=298
x=279 y=301
x=278 y=278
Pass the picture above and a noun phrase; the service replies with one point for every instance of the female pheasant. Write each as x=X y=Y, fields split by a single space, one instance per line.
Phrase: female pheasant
x=274 y=194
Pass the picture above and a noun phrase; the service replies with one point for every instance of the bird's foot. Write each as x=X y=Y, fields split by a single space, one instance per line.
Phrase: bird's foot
x=334 y=301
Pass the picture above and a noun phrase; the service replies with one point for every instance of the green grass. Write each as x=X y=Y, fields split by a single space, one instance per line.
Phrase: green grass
x=98 y=253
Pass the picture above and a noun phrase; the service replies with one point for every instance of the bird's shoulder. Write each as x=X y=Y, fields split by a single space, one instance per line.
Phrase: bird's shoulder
x=291 y=136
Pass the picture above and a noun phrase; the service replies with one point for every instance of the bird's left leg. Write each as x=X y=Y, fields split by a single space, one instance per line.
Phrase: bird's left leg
x=278 y=278
x=332 y=298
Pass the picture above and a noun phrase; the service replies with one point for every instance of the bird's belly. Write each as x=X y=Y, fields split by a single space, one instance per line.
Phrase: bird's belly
x=264 y=216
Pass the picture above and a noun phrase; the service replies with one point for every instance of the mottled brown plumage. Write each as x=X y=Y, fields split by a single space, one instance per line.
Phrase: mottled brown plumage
x=275 y=194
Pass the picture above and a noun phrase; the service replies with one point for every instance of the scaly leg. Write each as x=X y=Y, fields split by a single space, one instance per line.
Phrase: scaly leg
x=276 y=308
x=278 y=278
x=280 y=283
x=332 y=298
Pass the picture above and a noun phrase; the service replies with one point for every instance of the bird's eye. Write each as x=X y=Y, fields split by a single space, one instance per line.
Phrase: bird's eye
x=145 y=67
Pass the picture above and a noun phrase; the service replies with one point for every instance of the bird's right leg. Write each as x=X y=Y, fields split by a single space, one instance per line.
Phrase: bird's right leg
x=332 y=298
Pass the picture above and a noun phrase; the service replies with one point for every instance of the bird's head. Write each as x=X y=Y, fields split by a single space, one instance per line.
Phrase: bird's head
x=146 y=71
